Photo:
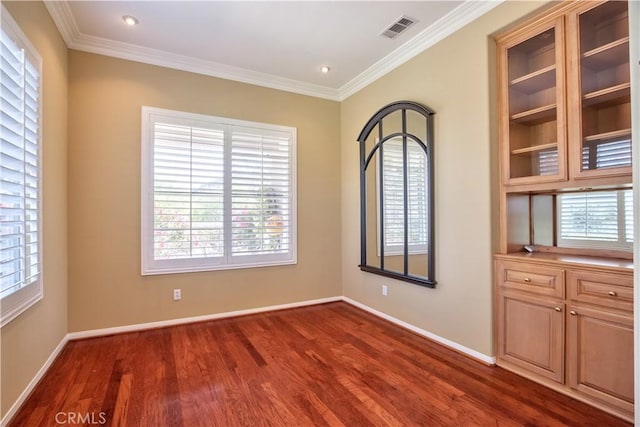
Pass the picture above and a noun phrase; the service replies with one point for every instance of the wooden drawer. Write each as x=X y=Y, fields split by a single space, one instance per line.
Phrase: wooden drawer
x=530 y=278
x=606 y=289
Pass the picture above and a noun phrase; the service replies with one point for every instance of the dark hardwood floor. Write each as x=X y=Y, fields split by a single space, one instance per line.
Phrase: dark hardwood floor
x=325 y=365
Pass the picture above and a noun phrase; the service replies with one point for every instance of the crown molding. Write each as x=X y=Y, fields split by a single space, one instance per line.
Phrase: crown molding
x=63 y=18
x=61 y=13
x=442 y=28
x=166 y=59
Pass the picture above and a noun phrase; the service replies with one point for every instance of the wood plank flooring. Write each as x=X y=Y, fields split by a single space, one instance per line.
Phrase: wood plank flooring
x=325 y=365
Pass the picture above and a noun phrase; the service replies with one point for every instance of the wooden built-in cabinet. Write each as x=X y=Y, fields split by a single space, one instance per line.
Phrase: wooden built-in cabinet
x=568 y=325
x=564 y=98
x=563 y=314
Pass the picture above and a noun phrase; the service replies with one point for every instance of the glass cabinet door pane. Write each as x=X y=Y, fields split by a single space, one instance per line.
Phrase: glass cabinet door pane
x=533 y=108
x=605 y=86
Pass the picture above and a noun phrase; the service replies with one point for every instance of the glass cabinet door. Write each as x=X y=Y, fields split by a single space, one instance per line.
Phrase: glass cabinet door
x=532 y=114
x=601 y=55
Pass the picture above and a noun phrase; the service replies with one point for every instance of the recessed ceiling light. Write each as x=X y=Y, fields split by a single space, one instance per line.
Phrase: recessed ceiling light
x=325 y=69
x=130 y=20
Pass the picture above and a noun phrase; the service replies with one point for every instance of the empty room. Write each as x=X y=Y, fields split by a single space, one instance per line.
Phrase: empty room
x=319 y=213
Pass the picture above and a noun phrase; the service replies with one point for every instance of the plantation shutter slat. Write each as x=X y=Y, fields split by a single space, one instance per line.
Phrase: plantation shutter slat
x=19 y=168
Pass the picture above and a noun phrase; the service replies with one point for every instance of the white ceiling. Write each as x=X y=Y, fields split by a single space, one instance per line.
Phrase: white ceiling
x=280 y=44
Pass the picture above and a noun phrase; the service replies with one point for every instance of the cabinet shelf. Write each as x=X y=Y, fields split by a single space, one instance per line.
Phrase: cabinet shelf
x=544 y=78
x=536 y=115
x=608 y=135
x=618 y=94
x=608 y=55
x=535 y=148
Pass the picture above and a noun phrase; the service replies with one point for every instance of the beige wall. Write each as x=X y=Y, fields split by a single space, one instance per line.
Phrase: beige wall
x=456 y=78
x=29 y=340
x=105 y=285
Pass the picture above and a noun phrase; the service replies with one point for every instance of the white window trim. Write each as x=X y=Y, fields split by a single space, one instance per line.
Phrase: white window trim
x=393 y=250
x=151 y=267
x=21 y=300
x=622 y=244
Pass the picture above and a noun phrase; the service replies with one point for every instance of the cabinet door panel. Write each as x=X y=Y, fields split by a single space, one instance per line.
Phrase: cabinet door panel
x=600 y=355
x=599 y=90
x=532 y=106
x=531 y=334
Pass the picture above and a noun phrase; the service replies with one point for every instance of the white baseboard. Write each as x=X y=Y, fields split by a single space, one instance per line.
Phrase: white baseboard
x=34 y=382
x=181 y=321
x=447 y=343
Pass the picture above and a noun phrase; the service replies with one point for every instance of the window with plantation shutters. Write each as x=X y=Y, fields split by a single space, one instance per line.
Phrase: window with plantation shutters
x=599 y=219
x=20 y=212
x=607 y=154
x=217 y=193
x=393 y=198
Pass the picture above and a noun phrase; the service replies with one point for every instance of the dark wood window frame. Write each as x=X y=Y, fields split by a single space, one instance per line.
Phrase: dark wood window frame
x=365 y=161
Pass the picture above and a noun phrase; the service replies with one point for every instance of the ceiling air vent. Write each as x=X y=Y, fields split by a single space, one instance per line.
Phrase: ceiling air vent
x=398 y=27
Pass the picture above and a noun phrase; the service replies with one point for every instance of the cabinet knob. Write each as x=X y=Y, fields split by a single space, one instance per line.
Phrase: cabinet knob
x=526 y=279
x=613 y=294
x=573 y=313
x=558 y=309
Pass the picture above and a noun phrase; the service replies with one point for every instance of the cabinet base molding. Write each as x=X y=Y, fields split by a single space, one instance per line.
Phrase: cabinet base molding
x=627 y=416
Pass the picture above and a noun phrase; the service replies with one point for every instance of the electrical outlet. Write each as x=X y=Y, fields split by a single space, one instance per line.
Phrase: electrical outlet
x=384 y=290
x=177 y=294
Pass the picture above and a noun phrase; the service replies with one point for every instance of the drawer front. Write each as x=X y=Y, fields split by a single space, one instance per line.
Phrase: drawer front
x=530 y=278
x=606 y=289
